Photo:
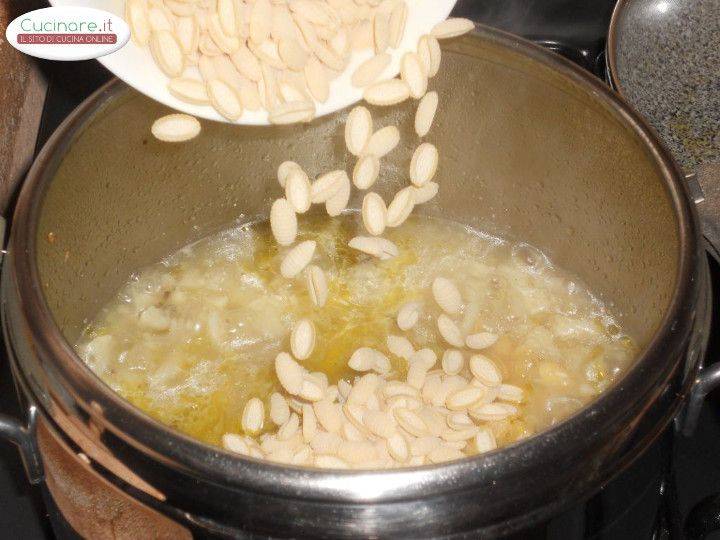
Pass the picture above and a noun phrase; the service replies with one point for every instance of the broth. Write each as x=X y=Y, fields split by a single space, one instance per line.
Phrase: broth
x=192 y=338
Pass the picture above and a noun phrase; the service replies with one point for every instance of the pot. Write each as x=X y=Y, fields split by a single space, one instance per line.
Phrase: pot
x=531 y=148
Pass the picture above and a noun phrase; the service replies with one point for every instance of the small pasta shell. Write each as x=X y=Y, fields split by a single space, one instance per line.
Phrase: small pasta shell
x=311 y=390
x=484 y=441
x=423 y=164
x=485 y=370
x=189 y=90
x=358 y=128
x=510 y=392
x=260 y=20
x=283 y=222
x=450 y=28
x=297 y=259
x=294 y=56
x=450 y=331
x=366 y=171
x=292 y=112
x=429 y=52
x=187 y=33
x=175 y=128
x=377 y=247
x=362 y=36
x=369 y=71
x=425 y=113
x=224 y=99
x=226 y=14
x=317 y=285
x=206 y=67
x=493 y=412
x=400 y=346
x=292 y=93
x=412 y=72
x=159 y=19
x=235 y=443
x=167 y=53
x=452 y=361
x=444 y=453
x=268 y=87
x=426 y=357
x=308 y=30
x=290 y=428
x=363 y=359
x=302 y=339
x=382 y=142
x=312 y=11
x=225 y=71
x=309 y=422
x=326 y=185
x=398 y=18
x=397 y=447
x=397 y=388
x=416 y=375
x=289 y=373
x=330 y=462
x=207 y=46
x=224 y=42
x=253 y=416
x=408 y=315
x=481 y=340
x=284 y=170
x=425 y=193
x=328 y=415
x=410 y=422
x=400 y=207
x=381 y=31
x=317 y=80
x=357 y=453
x=268 y=54
x=246 y=63
x=447 y=295
x=459 y=420
x=384 y=93
x=283 y=26
x=464 y=398
x=137 y=18
x=181 y=9
x=382 y=364
x=374 y=214
x=339 y=201
x=328 y=57
x=340 y=43
x=279 y=409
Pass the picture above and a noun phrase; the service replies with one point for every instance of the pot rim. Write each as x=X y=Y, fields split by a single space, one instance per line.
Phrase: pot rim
x=182 y=452
x=611 y=47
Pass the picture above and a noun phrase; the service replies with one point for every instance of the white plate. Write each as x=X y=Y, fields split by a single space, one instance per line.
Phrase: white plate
x=135 y=66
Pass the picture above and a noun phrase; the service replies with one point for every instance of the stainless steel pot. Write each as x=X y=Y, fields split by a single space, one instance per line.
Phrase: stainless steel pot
x=531 y=147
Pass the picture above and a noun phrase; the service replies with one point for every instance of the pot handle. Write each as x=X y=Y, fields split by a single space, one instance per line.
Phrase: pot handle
x=707 y=377
x=12 y=430
x=704 y=188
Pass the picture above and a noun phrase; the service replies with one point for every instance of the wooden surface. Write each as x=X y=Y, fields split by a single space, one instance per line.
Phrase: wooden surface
x=22 y=93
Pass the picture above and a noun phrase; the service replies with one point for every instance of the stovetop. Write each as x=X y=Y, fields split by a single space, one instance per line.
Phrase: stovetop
x=574 y=28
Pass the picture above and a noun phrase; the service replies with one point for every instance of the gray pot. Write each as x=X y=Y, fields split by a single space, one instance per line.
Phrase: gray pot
x=531 y=148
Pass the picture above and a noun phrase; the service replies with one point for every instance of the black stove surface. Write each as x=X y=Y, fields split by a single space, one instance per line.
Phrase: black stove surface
x=574 y=28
